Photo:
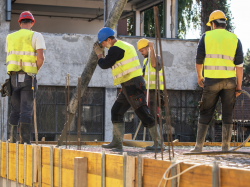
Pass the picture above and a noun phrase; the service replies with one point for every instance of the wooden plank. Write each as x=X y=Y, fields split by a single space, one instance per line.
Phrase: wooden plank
x=29 y=166
x=46 y=166
x=80 y=172
x=3 y=160
x=12 y=161
x=130 y=171
x=36 y=160
x=20 y=162
x=127 y=137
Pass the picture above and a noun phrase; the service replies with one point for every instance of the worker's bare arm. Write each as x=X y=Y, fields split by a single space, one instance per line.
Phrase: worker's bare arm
x=239 y=75
x=199 y=68
x=40 y=58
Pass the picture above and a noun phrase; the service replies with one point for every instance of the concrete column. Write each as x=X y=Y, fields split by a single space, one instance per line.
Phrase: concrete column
x=110 y=97
x=137 y=23
x=175 y=19
x=142 y=23
x=168 y=18
x=110 y=4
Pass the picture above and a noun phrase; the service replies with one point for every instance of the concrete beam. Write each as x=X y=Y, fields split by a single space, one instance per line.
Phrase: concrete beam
x=137 y=23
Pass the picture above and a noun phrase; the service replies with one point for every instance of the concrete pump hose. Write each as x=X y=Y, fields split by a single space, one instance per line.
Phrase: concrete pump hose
x=244 y=92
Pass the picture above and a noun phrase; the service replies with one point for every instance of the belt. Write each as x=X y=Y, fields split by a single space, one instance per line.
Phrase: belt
x=17 y=72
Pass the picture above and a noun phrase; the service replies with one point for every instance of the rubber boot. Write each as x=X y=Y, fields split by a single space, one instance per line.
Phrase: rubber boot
x=158 y=138
x=118 y=134
x=25 y=129
x=201 y=134
x=13 y=133
x=226 y=136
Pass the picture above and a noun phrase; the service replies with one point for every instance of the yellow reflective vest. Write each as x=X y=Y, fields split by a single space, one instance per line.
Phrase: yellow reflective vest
x=129 y=66
x=220 y=49
x=152 y=74
x=20 y=53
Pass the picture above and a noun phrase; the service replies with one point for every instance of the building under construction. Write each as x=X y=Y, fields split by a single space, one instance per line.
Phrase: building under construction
x=70 y=29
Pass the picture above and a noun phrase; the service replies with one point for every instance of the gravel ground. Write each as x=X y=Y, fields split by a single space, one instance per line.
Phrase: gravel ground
x=232 y=161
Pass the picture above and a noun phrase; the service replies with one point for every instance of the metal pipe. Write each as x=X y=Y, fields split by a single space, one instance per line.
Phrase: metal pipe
x=215 y=175
x=24 y=164
x=17 y=164
x=124 y=168
x=2 y=131
x=51 y=166
x=7 y=163
x=139 y=171
x=8 y=10
x=103 y=169
x=66 y=109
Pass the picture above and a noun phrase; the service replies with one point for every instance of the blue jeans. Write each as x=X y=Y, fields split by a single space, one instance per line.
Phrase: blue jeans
x=21 y=100
x=224 y=89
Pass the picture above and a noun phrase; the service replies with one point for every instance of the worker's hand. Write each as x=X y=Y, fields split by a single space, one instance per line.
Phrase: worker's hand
x=98 y=50
x=200 y=81
x=236 y=89
x=150 y=44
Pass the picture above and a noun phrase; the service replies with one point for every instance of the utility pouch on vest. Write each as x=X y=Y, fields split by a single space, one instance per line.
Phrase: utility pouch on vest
x=6 y=88
x=139 y=100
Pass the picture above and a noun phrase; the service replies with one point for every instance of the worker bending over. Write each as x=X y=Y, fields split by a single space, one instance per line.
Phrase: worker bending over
x=126 y=70
x=221 y=53
x=143 y=46
x=24 y=59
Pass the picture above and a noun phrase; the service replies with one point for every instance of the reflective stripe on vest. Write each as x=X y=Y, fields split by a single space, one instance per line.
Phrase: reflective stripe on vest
x=20 y=50
x=128 y=67
x=152 y=74
x=125 y=62
x=220 y=49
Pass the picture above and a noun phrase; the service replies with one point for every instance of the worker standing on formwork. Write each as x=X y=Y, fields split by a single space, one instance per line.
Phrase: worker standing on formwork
x=221 y=53
x=24 y=59
x=126 y=70
x=143 y=46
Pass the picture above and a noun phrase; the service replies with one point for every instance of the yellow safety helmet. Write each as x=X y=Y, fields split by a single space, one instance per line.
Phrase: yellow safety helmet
x=142 y=43
x=217 y=14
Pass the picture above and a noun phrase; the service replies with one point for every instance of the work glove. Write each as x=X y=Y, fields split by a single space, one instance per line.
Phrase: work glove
x=98 y=50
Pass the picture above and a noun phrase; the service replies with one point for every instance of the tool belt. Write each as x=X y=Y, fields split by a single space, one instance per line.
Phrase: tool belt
x=6 y=88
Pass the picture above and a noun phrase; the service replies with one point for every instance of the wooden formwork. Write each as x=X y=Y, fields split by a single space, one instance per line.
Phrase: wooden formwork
x=153 y=170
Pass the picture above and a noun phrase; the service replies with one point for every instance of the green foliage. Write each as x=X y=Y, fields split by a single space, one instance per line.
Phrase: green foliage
x=246 y=69
x=149 y=23
x=130 y=26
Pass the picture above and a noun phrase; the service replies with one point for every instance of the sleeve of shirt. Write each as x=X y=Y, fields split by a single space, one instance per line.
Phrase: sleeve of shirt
x=114 y=54
x=200 y=56
x=238 y=59
x=38 y=41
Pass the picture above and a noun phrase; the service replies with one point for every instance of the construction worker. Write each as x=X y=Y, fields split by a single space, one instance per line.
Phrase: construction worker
x=221 y=53
x=143 y=46
x=24 y=59
x=126 y=70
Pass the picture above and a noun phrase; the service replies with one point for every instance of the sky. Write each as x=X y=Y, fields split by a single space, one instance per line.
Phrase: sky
x=241 y=13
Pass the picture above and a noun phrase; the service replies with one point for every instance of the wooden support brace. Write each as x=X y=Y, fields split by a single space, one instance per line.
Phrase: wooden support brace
x=130 y=171
x=80 y=172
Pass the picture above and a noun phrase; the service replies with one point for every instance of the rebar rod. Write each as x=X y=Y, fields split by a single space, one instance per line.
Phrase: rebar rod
x=3 y=120
x=168 y=117
x=90 y=67
x=79 y=114
x=66 y=110
x=68 y=123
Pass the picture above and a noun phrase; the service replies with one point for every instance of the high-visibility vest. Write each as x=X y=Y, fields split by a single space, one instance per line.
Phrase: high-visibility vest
x=20 y=50
x=128 y=67
x=220 y=49
x=152 y=74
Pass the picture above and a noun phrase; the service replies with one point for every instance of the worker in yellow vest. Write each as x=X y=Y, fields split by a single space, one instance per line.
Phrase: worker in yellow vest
x=143 y=45
x=220 y=55
x=126 y=70
x=24 y=59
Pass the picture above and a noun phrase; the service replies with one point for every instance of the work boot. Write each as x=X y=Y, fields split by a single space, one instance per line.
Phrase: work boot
x=25 y=129
x=201 y=134
x=226 y=136
x=13 y=133
x=118 y=134
x=158 y=138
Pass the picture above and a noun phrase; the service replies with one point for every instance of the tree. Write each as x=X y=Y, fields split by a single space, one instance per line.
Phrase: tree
x=246 y=69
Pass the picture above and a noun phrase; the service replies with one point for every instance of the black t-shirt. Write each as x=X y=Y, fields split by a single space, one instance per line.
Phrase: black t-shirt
x=200 y=56
x=114 y=54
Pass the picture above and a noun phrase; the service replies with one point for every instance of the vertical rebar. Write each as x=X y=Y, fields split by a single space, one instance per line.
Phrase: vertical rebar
x=51 y=166
x=124 y=168
x=139 y=171
x=1 y=120
x=168 y=117
x=2 y=133
x=67 y=107
x=66 y=99
x=103 y=169
x=79 y=113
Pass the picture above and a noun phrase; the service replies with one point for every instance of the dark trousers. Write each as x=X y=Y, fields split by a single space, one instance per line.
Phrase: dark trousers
x=21 y=100
x=224 y=89
x=132 y=95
